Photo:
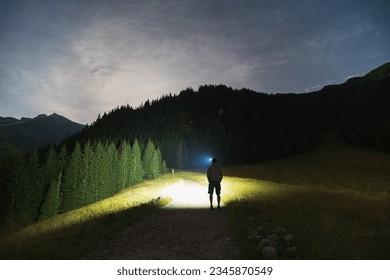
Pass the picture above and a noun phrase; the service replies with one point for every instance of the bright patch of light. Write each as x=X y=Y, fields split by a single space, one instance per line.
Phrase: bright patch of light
x=187 y=194
x=204 y=160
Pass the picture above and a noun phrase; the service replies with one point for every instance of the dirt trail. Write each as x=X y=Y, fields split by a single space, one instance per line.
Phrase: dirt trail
x=185 y=229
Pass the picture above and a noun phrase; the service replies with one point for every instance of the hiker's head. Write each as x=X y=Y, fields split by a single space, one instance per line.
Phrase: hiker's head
x=214 y=161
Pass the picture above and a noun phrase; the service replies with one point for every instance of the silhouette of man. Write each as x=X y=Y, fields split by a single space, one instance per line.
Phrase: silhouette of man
x=214 y=176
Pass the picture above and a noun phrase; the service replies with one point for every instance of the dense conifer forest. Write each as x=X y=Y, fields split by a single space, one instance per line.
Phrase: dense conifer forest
x=52 y=181
x=238 y=126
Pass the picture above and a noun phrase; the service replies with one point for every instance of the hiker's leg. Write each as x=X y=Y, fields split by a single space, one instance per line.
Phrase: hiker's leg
x=211 y=199
x=219 y=200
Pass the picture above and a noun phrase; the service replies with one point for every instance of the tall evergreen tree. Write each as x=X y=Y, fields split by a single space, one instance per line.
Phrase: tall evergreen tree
x=72 y=191
x=154 y=166
x=159 y=162
x=137 y=170
x=51 y=203
x=147 y=160
x=112 y=160
x=124 y=165
x=90 y=179
x=102 y=169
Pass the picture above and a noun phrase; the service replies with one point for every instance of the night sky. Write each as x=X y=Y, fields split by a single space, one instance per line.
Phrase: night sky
x=80 y=58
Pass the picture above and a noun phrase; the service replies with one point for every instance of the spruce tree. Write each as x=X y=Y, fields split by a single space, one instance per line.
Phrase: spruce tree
x=154 y=166
x=101 y=168
x=137 y=170
x=159 y=161
x=113 y=167
x=124 y=165
x=51 y=203
x=147 y=160
x=72 y=191
x=89 y=190
x=164 y=167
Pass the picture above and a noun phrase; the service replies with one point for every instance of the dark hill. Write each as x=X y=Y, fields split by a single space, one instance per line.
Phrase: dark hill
x=361 y=108
x=29 y=133
x=243 y=126
x=237 y=126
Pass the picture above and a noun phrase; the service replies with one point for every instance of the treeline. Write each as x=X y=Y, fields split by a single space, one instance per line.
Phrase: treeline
x=237 y=126
x=39 y=186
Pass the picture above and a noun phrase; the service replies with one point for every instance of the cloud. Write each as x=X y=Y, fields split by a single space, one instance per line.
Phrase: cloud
x=81 y=58
x=113 y=60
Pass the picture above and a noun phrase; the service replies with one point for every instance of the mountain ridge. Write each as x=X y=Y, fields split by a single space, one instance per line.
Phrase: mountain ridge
x=30 y=133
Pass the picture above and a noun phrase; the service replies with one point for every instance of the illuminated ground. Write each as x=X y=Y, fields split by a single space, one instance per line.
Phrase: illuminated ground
x=188 y=194
x=185 y=229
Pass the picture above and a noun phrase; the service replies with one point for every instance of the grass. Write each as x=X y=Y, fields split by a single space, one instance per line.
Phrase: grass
x=72 y=234
x=334 y=164
x=334 y=200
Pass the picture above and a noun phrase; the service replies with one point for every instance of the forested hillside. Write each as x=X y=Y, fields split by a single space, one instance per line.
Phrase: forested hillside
x=237 y=126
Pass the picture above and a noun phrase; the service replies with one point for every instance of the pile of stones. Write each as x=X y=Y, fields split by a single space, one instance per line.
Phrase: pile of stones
x=277 y=244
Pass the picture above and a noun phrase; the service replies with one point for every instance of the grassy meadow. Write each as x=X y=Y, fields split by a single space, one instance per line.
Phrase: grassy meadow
x=334 y=200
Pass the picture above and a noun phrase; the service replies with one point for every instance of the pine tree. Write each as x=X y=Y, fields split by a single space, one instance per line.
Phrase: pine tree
x=164 y=167
x=101 y=168
x=72 y=192
x=155 y=165
x=147 y=160
x=51 y=203
x=113 y=167
x=90 y=193
x=137 y=170
x=124 y=165
x=160 y=162
x=50 y=168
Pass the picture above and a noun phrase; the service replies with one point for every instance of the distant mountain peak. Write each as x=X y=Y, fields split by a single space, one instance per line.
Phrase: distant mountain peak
x=40 y=116
x=28 y=133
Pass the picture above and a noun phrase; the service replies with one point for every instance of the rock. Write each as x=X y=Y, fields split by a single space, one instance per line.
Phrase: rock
x=279 y=231
x=269 y=253
x=289 y=240
x=264 y=243
x=260 y=230
x=291 y=253
x=258 y=237
x=273 y=237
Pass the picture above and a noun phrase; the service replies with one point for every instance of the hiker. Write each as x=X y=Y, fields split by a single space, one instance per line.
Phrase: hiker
x=214 y=176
